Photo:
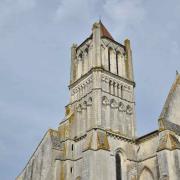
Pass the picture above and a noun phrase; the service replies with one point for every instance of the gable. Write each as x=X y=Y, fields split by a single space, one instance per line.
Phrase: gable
x=171 y=109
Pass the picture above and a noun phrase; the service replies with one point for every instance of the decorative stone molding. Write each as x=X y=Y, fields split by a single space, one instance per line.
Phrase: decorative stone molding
x=132 y=173
x=119 y=136
x=82 y=89
x=79 y=108
x=129 y=110
x=113 y=103
x=105 y=100
x=84 y=105
x=89 y=102
x=117 y=87
x=121 y=107
x=114 y=45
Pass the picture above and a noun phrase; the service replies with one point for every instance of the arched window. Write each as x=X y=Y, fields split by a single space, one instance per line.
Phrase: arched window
x=117 y=61
x=122 y=96
x=109 y=59
x=71 y=170
x=80 y=65
x=118 y=167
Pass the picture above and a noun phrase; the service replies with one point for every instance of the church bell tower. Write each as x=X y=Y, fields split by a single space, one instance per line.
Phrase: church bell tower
x=96 y=140
x=102 y=85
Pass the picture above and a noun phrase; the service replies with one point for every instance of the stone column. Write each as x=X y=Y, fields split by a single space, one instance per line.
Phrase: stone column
x=79 y=117
x=96 y=45
x=129 y=65
x=84 y=118
x=89 y=111
x=73 y=63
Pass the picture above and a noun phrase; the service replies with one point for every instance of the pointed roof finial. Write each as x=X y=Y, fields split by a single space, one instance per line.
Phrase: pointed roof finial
x=99 y=18
x=177 y=73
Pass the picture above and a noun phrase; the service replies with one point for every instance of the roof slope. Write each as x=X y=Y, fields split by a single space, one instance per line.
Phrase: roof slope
x=171 y=109
x=104 y=31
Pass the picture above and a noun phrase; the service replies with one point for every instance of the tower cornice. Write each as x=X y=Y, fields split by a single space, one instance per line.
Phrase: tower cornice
x=102 y=70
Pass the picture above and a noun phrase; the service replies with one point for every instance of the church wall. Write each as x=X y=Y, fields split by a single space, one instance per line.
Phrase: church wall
x=148 y=147
x=169 y=165
x=176 y=159
x=103 y=162
x=151 y=165
x=127 y=147
x=147 y=157
x=41 y=164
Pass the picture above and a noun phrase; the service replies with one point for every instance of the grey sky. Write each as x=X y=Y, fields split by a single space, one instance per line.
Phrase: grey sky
x=35 y=40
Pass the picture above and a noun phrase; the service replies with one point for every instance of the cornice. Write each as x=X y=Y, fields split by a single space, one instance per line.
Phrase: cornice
x=104 y=71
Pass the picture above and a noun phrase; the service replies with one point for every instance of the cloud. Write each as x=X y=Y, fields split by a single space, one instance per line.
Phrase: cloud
x=10 y=8
x=69 y=9
x=127 y=13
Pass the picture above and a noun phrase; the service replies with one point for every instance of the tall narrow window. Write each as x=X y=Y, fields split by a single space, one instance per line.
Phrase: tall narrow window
x=86 y=60
x=122 y=92
x=117 y=65
x=71 y=170
x=109 y=59
x=118 y=167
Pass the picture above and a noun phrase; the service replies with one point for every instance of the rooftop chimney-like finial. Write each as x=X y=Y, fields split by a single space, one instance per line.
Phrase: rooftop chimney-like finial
x=100 y=19
x=177 y=73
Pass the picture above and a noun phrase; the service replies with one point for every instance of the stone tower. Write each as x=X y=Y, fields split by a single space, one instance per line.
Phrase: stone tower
x=96 y=140
x=102 y=85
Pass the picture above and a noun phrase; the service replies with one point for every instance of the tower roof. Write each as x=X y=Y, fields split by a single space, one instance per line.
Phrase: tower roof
x=104 y=31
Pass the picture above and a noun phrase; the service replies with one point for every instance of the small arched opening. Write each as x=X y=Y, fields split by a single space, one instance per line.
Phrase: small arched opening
x=118 y=167
x=110 y=52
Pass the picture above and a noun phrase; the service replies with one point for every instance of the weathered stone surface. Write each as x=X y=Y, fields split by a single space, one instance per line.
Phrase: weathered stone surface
x=97 y=138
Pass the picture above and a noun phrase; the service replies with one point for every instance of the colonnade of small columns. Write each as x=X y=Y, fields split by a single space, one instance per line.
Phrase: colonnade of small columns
x=81 y=90
x=116 y=88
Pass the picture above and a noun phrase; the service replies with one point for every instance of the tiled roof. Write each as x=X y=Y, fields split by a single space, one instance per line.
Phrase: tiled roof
x=104 y=31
